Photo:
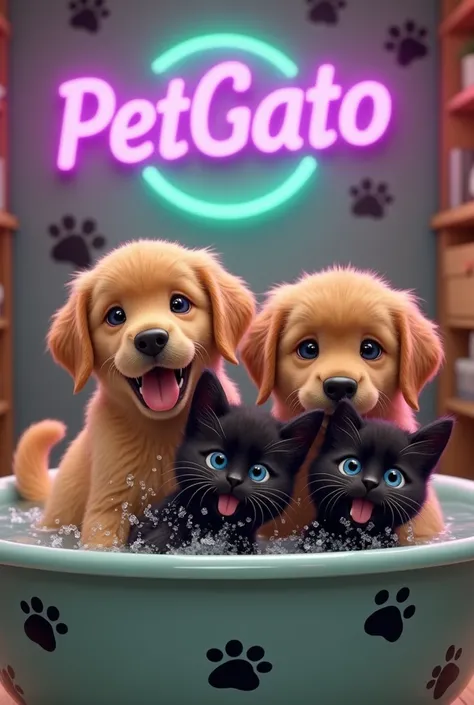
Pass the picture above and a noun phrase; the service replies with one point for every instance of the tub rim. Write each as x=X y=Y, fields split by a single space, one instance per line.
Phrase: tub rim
x=275 y=567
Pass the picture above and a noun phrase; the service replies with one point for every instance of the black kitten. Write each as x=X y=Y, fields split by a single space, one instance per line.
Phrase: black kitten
x=235 y=471
x=371 y=476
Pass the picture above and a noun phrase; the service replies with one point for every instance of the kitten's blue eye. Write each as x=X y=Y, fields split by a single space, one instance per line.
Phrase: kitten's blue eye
x=216 y=461
x=350 y=466
x=115 y=316
x=370 y=349
x=180 y=304
x=308 y=349
x=259 y=473
x=394 y=478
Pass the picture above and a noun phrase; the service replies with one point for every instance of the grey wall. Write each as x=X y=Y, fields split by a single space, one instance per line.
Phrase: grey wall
x=315 y=230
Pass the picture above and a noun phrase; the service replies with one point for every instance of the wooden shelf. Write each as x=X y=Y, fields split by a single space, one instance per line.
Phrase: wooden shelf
x=462 y=102
x=4 y=407
x=461 y=407
x=460 y=20
x=460 y=217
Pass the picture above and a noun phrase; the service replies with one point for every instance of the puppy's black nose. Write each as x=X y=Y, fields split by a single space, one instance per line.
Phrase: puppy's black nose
x=337 y=388
x=369 y=483
x=151 y=342
x=234 y=481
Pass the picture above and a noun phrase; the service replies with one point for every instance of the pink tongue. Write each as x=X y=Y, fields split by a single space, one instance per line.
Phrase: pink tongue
x=227 y=504
x=160 y=389
x=361 y=510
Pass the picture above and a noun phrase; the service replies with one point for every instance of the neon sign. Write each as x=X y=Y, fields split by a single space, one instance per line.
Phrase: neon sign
x=130 y=125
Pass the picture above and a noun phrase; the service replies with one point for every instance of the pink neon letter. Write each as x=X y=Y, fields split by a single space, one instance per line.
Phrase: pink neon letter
x=321 y=95
x=171 y=108
x=239 y=117
x=73 y=128
x=121 y=132
x=288 y=136
x=382 y=113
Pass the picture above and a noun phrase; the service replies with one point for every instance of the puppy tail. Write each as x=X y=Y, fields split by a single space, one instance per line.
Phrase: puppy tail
x=31 y=459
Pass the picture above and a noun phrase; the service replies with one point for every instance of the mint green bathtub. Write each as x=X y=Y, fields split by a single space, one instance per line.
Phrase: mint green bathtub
x=380 y=627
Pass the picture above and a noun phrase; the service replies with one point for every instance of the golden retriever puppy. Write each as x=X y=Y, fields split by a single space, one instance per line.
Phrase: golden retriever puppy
x=145 y=321
x=344 y=333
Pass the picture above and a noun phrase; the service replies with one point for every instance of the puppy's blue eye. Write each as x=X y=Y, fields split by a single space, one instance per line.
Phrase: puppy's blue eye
x=259 y=473
x=308 y=349
x=180 y=304
x=350 y=466
x=216 y=461
x=394 y=478
x=370 y=349
x=116 y=316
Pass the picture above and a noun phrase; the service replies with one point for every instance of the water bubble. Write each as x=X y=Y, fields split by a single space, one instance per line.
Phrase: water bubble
x=129 y=480
x=204 y=511
x=159 y=457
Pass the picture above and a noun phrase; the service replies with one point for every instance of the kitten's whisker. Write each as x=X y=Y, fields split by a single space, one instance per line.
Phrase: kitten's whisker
x=199 y=489
x=264 y=501
x=336 y=497
x=259 y=505
x=214 y=415
x=185 y=489
x=280 y=510
x=254 y=510
x=205 y=493
x=355 y=429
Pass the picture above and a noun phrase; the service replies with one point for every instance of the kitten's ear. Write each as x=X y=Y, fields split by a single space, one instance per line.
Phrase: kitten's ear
x=428 y=444
x=301 y=433
x=209 y=396
x=344 y=420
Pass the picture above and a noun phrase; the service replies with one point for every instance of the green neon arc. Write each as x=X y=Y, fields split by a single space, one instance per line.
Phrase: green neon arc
x=231 y=211
x=226 y=41
x=246 y=209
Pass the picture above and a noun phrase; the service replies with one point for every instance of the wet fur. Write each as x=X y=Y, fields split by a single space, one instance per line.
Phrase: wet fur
x=341 y=306
x=246 y=436
x=120 y=437
x=378 y=446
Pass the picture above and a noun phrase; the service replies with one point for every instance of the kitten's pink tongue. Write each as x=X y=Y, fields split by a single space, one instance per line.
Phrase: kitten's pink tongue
x=160 y=389
x=227 y=504
x=361 y=510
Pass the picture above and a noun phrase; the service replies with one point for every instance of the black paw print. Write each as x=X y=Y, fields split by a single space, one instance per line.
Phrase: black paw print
x=87 y=14
x=409 y=43
x=7 y=679
x=74 y=247
x=444 y=677
x=325 y=11
x=39 y=628
x=239 y=673
x=387 y=622
x=370 y=200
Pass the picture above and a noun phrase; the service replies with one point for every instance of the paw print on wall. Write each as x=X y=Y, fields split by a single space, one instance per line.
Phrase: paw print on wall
x=74 y=245
x=370 y=200
x=238 y=673
x=88 y=14
x=8 y=680
x=41 y=627
x=388 y=622
x=443 y=677
x=408 y=43
x=325 y=11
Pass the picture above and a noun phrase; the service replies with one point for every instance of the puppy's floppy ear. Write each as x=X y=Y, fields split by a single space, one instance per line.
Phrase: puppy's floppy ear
x=209 y=399
x=233 y=305
x=429 y=444
x=259 y=349
x=301 y=433
x=69 y=338
x=421 y=351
